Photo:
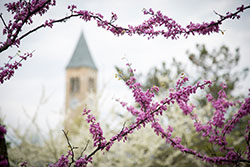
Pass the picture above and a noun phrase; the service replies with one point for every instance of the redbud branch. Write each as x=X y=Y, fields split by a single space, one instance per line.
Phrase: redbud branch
x=64 y=20
x=209 y=136
x=195 y=119
x=222 y=18
x=109 y=23
x=10 y=68
x=42 y=25
x=202 y=156
x=216 y=23
x=126 y=133
x=237 y=117
x=7 y=45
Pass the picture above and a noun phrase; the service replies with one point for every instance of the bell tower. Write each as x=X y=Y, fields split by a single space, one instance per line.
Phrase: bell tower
x=81 y=82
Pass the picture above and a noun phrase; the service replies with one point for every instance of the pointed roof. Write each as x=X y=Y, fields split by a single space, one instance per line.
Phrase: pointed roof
x=81 y=56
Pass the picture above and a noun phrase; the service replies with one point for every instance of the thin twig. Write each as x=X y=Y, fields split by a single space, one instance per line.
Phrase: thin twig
x=221 y=16
x=84 y=149
x=3 y=21
x=71 y=147
x=123 y=126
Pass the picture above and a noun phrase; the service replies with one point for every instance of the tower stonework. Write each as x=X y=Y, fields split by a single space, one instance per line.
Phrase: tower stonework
x=81 y=84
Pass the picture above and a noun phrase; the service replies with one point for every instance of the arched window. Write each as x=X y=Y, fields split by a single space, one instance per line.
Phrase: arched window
x=74 y=85
x=91 y=85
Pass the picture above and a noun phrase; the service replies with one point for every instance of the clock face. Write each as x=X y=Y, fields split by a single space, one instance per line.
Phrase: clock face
x=74 y=103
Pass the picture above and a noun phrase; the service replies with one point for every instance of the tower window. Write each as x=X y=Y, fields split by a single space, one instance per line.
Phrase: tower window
x=91 y=85
x=74 y=85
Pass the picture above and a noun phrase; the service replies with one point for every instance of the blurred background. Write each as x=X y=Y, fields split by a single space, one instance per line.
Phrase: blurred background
x=33 y=102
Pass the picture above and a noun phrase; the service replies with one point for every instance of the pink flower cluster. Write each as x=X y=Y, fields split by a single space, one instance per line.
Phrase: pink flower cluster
x=108 y=25
x=3 y=162
x=152 y=26
x=49 y=23
x=62 y=162
x=243 y=111
x=83 y=161
x=9 y=68
x=95 y=129
x=22 y=12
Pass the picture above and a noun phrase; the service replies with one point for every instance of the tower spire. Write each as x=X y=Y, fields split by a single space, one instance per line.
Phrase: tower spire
x=81 y=56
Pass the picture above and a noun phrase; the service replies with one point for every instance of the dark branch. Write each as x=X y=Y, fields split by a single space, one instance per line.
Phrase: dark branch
x=71 y=147
x=3 y=21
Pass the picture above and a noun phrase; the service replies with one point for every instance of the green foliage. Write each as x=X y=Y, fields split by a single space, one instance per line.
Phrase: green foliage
x=218 y=66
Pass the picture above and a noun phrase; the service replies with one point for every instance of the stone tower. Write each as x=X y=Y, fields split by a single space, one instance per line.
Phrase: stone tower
x=81 y=82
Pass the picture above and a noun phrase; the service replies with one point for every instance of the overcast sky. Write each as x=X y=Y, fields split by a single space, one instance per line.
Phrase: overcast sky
x=54 y=47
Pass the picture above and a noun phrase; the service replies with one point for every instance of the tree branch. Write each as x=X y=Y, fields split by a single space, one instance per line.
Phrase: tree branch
x=84 y=149
x=3 y=21
x=7 y=45
x=71 y=148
